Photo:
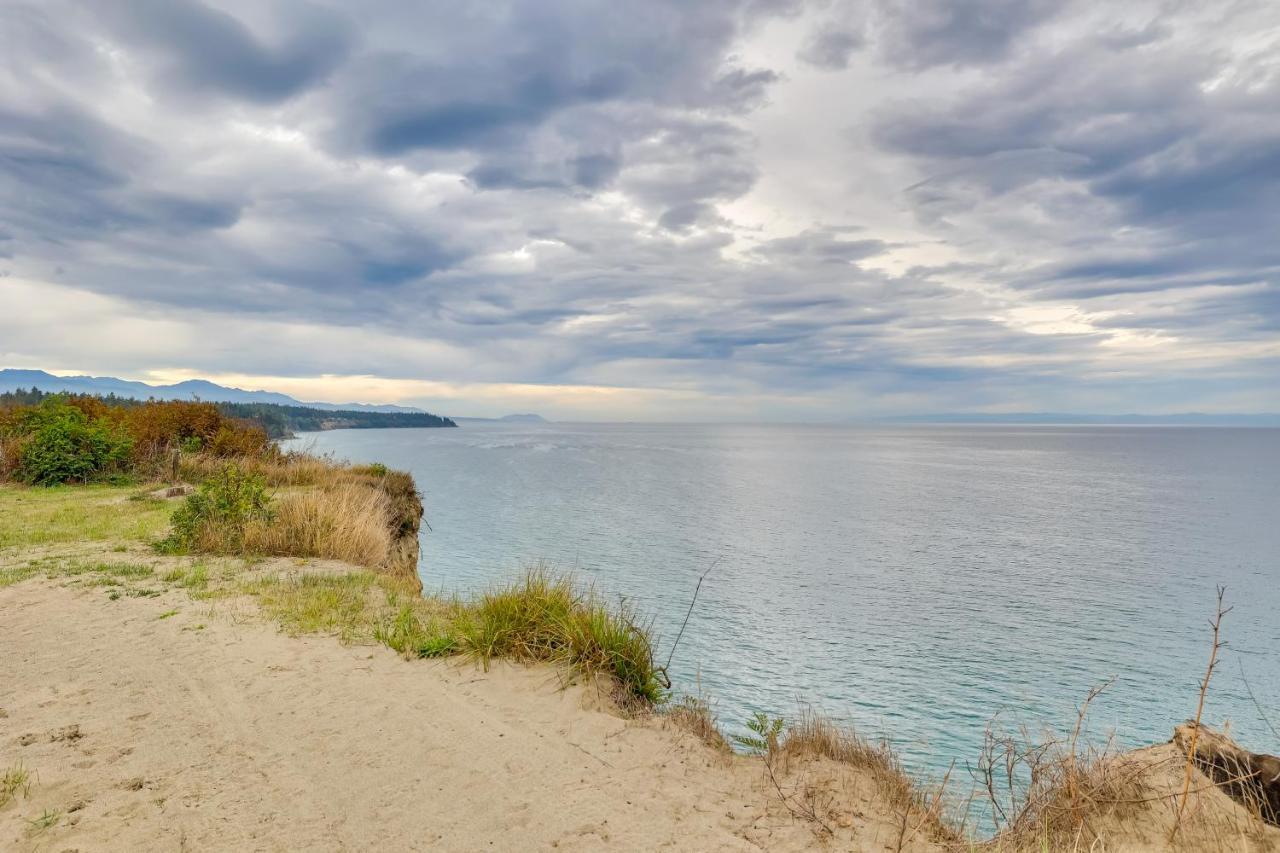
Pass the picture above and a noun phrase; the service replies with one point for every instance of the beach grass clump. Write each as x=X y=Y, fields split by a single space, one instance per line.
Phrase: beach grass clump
x=546 y=617
x=14 y=781
x=694 y=715
x=350 y=521
x=541 y=617
x=417 y=634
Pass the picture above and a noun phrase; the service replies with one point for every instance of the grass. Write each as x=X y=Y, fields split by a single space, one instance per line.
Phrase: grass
x=14 y=781
x=694 y=715
x=35 y=517
x=88 y=572
x=921 y=809
x=356 y=514
x=47 y=820
x=544 y=617
x=193 y=578
x=540 y=617
x=337 y=604
x=348 y=521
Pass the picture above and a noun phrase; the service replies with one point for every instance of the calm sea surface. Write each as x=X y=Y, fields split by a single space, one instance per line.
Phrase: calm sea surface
x=911 y=581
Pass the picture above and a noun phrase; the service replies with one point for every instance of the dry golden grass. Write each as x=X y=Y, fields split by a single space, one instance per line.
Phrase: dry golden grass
x=1075 y=798
x=695 y=716
x=921 y=810
x=364 y=515
x=284 y=469
x=349 y=522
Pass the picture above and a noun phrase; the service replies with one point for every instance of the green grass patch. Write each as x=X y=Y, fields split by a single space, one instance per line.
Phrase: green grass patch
x=88 y=572
x=34 y=517
x=194 y=577
x=315 y=603
x=541 y=617
x=48 y=819
x=10 y=575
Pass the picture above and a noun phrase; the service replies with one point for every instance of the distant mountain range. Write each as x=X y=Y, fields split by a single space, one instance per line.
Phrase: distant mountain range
x=12 y=380
x=1180 y=419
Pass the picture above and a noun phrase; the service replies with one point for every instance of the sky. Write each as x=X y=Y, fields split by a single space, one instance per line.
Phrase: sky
x=721 y=210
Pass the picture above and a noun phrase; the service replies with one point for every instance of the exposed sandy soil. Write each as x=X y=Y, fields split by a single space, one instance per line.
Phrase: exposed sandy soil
x=210 y=730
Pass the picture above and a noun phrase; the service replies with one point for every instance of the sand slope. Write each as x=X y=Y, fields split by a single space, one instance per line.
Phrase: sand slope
x=212 y=731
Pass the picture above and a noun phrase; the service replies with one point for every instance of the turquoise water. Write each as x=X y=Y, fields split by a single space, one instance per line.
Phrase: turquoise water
x=910 y=581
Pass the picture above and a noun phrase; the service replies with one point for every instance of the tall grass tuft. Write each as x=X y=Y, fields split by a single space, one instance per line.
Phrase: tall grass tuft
x=546 y=617
x=348 y=522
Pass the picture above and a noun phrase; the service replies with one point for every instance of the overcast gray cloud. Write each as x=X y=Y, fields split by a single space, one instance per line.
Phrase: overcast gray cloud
x=729 y=208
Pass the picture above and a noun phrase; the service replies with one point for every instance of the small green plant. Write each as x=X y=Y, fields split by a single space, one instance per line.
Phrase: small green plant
x=192 y=444
x=765 y=733
x=167 y=614
x=48 y=819
x=16 y=780
x=215 y=517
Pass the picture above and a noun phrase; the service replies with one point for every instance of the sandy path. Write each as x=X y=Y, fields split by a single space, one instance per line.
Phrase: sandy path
x=151 y=733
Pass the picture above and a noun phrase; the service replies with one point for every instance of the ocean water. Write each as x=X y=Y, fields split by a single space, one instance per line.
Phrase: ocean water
x=911 y=581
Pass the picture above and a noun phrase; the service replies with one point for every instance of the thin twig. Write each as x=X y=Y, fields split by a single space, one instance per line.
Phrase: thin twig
x=1216 y=624
x=663 y=669
x=1256 y=703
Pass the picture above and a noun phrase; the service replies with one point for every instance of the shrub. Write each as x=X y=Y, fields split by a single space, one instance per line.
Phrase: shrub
x=235 y=438
x=58 y=443
x=765 y=732
x=217 y=517
x=156 y=425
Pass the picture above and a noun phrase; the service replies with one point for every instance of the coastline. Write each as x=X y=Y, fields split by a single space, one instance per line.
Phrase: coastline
x=154 y=709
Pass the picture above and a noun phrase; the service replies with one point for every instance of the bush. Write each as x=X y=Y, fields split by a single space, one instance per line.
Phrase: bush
x=217 y=517
x=58 y=443
x=156 y=426
x=234 y=438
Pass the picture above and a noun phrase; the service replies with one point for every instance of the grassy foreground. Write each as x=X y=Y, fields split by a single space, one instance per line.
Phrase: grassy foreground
x=540 y=617
x=61 y=515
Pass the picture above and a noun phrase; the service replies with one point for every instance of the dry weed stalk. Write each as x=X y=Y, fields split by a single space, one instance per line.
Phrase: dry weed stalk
x=1218 y=643
x=1066 y=787
x=813 y=736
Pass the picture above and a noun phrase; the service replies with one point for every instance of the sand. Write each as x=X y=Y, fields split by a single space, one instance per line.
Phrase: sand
x=210 y=730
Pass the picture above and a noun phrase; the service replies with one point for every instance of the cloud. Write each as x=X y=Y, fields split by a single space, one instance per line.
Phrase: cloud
x=193 y=45
x=830 y=49
x=923 y=33
x=997 y=204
